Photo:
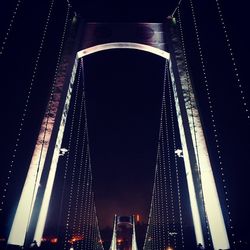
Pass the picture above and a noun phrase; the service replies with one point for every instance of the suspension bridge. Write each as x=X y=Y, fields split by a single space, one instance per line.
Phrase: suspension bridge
x=59 y=158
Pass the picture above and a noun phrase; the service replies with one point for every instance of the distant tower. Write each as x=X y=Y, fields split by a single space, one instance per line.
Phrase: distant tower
x=124 y=235
x=160 y=39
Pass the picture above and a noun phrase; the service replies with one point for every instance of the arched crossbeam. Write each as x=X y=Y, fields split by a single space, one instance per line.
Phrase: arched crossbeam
x=123 y=45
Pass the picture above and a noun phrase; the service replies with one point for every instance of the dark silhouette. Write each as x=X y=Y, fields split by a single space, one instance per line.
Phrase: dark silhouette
x=200 y=247
x=34 y=245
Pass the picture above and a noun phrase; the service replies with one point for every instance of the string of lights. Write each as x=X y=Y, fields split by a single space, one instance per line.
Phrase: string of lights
x=62 y=41
x=10 y=26
x=84 y=163
x=67 y=164
x=170 y=95
x=235 y=66
x=168 y=158
x=88 y=217
x=86 y=198
x=98 y=233
x=161 y=172
x=245 y=106
x=81 y=231
x=92 y=208
x=26 y=107
x=83 y=191
x=162 y=231
x=162 y=165
x=83 y=166
x=212 y=116
x=48 y=115
x=164 y=217
x=149 y=232
x=86 y=208
x=158 y=243
x=151 y=229
x=92 y=224
x=191 y=108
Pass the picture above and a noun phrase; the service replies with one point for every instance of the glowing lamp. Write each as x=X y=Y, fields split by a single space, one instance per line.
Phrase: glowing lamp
x=54 y=240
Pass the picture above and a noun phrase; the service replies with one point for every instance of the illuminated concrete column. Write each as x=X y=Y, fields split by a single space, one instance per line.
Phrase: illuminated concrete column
x=195 y=148
x=48 y=142
x=187 y=162
x=211 y=199
x=53 y=167
x=113 y=245
x=28 y=196
x=134 y=243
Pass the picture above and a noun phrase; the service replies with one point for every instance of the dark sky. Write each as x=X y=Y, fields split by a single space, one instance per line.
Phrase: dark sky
x=124 y=126
x=123 y=90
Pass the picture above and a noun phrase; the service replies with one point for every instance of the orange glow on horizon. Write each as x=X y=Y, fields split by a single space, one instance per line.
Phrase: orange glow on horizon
x=76 y=238
x=54 y=240
x=119 y=241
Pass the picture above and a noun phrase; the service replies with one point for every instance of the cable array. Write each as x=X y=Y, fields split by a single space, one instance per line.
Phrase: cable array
x=168 y=157
x=68 y=164
x=178 y=188
x=165 y=226
x=191 y=108
x=26 y=106
x=81 y=225
x=211 y=107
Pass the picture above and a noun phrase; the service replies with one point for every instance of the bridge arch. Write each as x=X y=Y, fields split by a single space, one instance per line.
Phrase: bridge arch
x=155 y=38
x=123 y=45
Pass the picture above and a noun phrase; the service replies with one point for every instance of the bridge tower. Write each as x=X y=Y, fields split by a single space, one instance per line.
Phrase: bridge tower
x=124 y=235
x=161 y=39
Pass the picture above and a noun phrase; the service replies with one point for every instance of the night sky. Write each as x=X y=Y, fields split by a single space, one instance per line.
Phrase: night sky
x=123 y=91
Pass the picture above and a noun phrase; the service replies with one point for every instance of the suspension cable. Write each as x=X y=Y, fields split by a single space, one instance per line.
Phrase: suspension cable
x=66 y=236
x=211 y=106
x=26 y=107
x=43 y=140
x=76 y=149
x=162 y=220
x=233 y=60
x=10 y=26
x=162 y=162
x=89 y=223
x=162 y=196
x=178 y=5
x=83 y=165
x=65 y=27
x=49 y=108
x=175 y=156
x=191 y=105
x=168 y=155
x=148 y=237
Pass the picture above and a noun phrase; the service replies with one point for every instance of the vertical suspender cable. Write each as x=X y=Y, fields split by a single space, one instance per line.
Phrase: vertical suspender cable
x=67 y=164
x=192 y=115
x=175 y=157
x=26 y=106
